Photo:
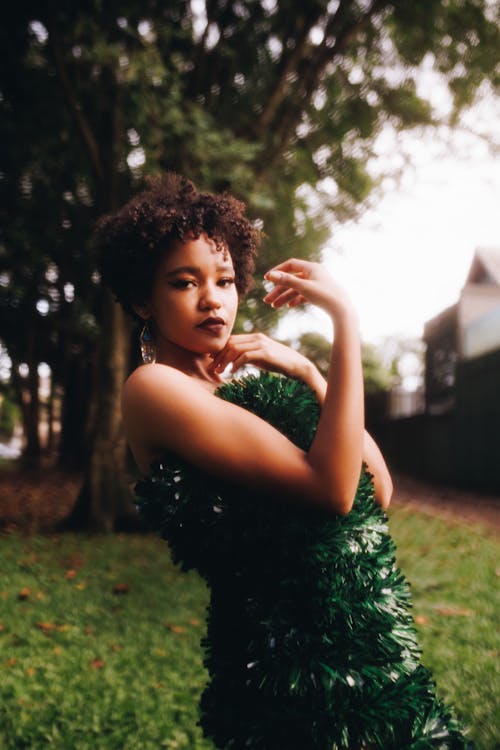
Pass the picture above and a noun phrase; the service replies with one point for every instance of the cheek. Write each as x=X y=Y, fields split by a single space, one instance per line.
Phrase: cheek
x=235 y=304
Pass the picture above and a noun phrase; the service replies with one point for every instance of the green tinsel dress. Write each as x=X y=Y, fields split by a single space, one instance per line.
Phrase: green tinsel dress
x=310 y=644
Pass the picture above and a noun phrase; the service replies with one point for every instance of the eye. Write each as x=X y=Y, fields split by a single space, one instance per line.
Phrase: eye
x=226 y=281
x=182 y=283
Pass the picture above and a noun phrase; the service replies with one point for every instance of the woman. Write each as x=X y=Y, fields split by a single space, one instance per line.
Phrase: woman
x=256 y=484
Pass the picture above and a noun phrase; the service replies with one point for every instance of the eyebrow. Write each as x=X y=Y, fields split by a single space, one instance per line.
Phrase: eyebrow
x=196 y=270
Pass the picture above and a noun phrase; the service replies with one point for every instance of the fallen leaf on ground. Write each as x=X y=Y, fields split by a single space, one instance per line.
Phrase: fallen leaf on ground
x=120 y=588
x=31 y=671
x=70 y=574
x=97 y=664
x=421 y=619
x=45 y=627
x=175 y=628
x=24 y=594
x=80 y=586
x=10 y=662
x=194 y=622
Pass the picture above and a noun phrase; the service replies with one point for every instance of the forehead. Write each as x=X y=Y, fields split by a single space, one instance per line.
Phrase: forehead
x=202 y=252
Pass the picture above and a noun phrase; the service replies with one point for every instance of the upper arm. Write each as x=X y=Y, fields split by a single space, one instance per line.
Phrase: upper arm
x=166 y=410
x=376 y=464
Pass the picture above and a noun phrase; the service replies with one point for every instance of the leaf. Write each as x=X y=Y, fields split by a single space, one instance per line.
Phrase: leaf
x=24 y=594
x=12 y=661
x=120 y=588
x=194 y=622
x=97 y=663
x=175 y=628
x=45 y=627
x=421 y=620
x=80 y=586
x=70 y=573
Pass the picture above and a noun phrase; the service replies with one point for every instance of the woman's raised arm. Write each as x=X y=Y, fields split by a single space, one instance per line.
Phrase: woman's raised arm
x=165 y=409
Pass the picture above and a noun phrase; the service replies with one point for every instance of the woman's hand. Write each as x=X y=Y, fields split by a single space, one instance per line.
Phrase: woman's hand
x=260 y=350
x=298 y=281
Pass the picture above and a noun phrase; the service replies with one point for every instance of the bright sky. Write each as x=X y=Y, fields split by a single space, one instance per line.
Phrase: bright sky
x=407 y=258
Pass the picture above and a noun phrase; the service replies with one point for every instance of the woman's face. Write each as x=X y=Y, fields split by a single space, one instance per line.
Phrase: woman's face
x=194 y=299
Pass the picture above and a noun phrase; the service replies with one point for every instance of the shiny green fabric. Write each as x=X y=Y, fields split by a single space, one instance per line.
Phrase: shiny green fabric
x=310 y=644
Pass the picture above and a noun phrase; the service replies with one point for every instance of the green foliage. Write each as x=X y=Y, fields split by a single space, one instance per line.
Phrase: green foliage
x=9 y=412
x=453 y=571
x=280 y=103
x=145 y=695
x=317 y=348
x=377 y=377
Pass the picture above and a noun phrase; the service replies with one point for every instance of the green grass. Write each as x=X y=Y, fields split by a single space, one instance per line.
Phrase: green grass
x=84 y=668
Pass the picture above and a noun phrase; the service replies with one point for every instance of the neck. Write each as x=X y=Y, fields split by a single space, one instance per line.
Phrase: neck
x=191 y=363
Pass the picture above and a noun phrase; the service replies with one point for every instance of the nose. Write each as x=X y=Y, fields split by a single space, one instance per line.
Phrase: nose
x=210 y=297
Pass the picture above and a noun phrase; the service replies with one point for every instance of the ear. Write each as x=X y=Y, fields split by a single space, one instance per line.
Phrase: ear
x=143 y=311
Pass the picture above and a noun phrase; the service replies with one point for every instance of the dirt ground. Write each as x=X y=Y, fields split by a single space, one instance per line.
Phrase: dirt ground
x=448 y=502
x=36 y=501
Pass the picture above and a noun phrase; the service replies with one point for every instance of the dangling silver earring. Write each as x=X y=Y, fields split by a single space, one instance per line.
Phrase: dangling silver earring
x=148 y=349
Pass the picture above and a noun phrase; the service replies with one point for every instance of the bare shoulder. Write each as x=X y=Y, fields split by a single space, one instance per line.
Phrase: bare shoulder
x=148 y=377
x=166 y=411
x=150 y=386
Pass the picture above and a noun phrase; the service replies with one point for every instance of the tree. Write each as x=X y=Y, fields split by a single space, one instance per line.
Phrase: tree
x=278 y=102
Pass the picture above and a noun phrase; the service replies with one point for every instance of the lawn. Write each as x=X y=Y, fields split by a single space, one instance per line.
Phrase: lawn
x=99 y=636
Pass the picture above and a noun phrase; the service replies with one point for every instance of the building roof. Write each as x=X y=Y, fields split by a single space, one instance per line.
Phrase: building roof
x=485 y=266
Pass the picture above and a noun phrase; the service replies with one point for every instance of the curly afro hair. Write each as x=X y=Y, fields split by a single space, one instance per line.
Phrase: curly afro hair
x=130 y=243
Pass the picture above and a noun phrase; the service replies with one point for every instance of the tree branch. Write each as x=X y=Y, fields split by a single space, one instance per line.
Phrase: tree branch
x=289 y=64
x=200 y=54
x=324 y=54
x=74 y=105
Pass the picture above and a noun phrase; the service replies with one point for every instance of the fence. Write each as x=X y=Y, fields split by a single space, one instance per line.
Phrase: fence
x=461 y=447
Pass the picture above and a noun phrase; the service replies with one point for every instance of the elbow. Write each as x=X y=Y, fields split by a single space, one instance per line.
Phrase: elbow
x=343 y=505
x=340 y=502
x=384 y=492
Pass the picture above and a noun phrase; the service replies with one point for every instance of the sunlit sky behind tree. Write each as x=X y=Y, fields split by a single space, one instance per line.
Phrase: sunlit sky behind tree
x=407 y=257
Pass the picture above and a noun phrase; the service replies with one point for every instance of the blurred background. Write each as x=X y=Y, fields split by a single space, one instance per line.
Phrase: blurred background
x=361 y=133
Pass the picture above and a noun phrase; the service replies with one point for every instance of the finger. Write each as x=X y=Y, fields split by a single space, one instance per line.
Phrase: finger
x=284 y=298
x=231 y=351
x=294 y=265
x=274 y=294
x=299 y=300
x=250 y=357
x=281 y=278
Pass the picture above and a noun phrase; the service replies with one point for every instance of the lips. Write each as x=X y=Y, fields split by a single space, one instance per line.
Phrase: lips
x=212 y=324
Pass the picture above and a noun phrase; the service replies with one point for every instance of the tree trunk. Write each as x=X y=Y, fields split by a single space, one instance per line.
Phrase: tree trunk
x=31 y=410
x=105 y=500
x=73 y=448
